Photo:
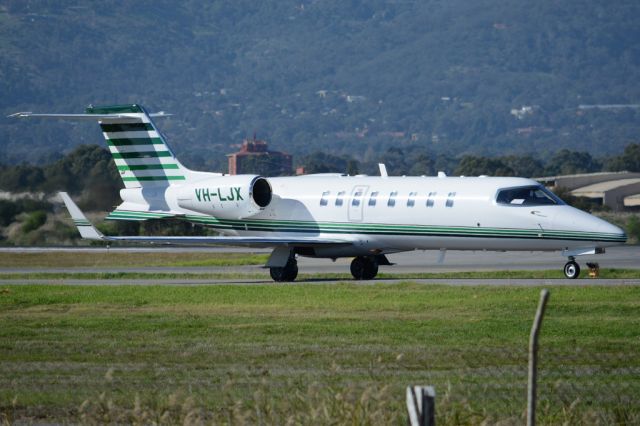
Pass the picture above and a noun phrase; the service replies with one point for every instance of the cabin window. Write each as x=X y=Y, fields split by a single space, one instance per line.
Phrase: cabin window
x=339 y=198
x=324 y=200
x=533 y=195
x=411 y=201
x=392 y=199
x=431 y=199
x=450 y=197
x=355 y=202
x=372 y=199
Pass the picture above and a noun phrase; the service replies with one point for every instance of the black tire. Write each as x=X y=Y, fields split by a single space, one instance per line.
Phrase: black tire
x=571 y=270
x=287 y=273
x=277 y=274
x=364 y=268
x=291 y=272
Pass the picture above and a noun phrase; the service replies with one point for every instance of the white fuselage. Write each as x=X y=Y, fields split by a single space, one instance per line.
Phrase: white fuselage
x=390 y=214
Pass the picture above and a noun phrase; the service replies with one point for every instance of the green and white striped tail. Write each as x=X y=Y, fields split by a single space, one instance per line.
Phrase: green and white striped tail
x=141 y=154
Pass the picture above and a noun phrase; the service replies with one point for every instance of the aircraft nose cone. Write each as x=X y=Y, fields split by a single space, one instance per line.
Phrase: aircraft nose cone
x=616 y=232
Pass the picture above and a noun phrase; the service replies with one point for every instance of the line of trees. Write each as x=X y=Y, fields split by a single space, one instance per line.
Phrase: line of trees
x=418 y=161
x=88 y=171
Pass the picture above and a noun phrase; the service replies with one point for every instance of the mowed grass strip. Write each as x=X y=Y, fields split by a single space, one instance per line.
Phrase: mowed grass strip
x=259 y=273
x=113 y=258
x=216 y=346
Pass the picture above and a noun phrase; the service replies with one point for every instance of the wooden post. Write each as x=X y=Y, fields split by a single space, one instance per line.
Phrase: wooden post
x=533 y=358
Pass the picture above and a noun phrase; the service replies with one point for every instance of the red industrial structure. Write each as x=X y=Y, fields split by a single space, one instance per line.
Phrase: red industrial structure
x=254 y=157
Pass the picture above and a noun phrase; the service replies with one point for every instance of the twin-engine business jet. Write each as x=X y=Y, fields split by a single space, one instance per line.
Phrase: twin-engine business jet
x=333 y=215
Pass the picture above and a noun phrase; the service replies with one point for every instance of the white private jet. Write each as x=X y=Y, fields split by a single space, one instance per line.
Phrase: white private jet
x=333 y=215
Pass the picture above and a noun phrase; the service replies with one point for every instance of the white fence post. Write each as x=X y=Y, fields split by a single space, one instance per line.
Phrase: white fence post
x=421 y=405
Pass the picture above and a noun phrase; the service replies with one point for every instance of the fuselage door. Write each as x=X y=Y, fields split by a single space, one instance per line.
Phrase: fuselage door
x=356 y=203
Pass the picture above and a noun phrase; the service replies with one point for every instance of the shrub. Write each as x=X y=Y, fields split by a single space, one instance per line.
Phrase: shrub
x=633 y=228
x=34 y=221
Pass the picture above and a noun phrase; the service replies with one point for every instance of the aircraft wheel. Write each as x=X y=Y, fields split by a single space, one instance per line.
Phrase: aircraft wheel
x=287 y=273
x=571 y=270
x=364 y=268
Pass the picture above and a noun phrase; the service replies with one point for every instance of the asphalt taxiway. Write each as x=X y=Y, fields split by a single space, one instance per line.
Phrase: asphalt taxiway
x=466 y=282
x=406 y=263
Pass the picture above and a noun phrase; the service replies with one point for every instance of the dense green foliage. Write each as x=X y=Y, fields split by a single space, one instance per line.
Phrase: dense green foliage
x=10 y=209
x=350 y=78
x=87 y=171
x=629 y=160
x=320 y=162
x=34 y=221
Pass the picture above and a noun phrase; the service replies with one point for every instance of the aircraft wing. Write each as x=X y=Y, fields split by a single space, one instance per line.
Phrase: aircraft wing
x=89 y=232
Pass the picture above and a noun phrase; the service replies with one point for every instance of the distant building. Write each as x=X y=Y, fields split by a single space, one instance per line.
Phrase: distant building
x=522 y=112
x=617 y=190
x=255 y=157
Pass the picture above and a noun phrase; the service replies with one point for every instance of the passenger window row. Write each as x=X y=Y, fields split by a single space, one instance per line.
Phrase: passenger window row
x=391 y=201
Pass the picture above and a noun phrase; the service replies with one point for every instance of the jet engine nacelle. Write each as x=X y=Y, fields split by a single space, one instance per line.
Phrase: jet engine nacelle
x=226 y=197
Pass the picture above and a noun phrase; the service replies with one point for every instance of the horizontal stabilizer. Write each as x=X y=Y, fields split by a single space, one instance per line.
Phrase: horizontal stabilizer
x=91 y=117
x=139 y=149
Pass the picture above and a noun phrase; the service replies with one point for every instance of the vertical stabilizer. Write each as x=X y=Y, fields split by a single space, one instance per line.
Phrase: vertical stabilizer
x=139 y=150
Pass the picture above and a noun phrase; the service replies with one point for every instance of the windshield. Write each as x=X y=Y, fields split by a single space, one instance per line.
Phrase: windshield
x=528 y=196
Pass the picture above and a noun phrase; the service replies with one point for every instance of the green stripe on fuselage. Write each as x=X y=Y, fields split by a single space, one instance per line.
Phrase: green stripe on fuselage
x=383 y=229
x=129 y=215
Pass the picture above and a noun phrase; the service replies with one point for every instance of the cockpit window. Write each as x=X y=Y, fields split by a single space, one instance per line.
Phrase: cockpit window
x=528 y=196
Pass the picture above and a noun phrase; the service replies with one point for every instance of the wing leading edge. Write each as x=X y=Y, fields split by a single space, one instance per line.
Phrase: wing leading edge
x=89 y=232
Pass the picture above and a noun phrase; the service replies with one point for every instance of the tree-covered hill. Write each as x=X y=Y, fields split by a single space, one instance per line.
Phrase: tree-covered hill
x=347 y=77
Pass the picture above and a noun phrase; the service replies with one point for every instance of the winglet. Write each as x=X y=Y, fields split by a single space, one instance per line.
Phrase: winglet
x=86 y=229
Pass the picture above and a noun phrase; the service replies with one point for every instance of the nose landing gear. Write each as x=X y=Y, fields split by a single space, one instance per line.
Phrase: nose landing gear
x=571 y=269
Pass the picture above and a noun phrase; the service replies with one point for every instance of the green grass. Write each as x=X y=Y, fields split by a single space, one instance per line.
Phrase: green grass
x=322 y=354
x=105 y=259
x=607 y=273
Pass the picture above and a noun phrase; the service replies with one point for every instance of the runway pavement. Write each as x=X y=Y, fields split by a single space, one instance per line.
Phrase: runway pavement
x=253 y=282
x=406 y=263
x=417 y=261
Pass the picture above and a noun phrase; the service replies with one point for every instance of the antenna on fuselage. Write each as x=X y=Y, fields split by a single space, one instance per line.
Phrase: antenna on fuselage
x=383 y=170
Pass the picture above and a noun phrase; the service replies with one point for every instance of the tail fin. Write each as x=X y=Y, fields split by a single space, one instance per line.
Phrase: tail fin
x=139 y=150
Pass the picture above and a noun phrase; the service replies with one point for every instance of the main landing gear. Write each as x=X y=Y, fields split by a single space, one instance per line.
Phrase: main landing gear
x=364 y=267
x=572 y=269
x=287 y=273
